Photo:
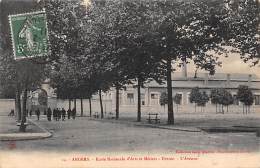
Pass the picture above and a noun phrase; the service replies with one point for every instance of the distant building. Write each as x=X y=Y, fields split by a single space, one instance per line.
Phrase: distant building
x=182 y=83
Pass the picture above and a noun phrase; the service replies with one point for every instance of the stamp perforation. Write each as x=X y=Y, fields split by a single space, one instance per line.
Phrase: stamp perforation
x=12 y=35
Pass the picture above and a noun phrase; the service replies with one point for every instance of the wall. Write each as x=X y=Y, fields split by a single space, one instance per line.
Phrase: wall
x=6 y=105
x=186 y=107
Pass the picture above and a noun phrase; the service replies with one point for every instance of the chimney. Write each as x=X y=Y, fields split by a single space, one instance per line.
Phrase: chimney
x=184 y=69
x=228 y=80
x=249 y=82
x=206 y=79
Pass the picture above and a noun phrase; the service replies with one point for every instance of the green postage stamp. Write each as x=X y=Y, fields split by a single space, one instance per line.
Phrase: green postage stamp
x=29 y=34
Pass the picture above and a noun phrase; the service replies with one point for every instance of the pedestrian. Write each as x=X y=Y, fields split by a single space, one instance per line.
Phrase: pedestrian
x=27 y=112
x=49 y=114
x=69 y=113
x=63 y=113
x=30 y=112
x=55 y=113
x=74 y=113
x=59 y=114
x=38 y=113
x=11 y=113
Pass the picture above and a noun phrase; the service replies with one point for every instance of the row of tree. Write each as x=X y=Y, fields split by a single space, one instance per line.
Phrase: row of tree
x=112 y=43
x=220 y=97
x=164 y=99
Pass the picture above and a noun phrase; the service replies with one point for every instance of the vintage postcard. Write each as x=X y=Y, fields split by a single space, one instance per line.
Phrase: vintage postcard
x=129 y=83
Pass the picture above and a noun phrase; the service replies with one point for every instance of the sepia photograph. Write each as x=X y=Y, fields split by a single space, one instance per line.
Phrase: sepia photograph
x=129 y=83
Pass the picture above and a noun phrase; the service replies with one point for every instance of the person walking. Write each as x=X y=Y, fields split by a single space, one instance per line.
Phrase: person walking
x=54 y=114
x=30 y=113
x=63 y=113
x=49 y=114
x=38 y=114
x=11 y=113
x=74 y=113
x=69 y=113
x=59 y=114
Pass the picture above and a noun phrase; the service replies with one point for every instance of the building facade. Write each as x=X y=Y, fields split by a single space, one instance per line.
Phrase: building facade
x=182 y=85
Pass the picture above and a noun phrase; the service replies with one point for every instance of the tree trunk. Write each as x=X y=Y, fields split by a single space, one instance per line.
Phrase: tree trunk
x=23 y=126
x=227 y=108
x=101 y=105
x=195 y=107
x=117 y=102
x=216 y=108
x=69 y=103
x=75 y=104
x=243 y=109
x=81 y=107
x=195 y=74
x=138 y=100
x=169 y=91
x=18 y=105
x=90 y=108
x=222 y=108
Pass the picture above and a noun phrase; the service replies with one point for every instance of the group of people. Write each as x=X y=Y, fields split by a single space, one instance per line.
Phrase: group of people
x=60 y=114
x=55 y=114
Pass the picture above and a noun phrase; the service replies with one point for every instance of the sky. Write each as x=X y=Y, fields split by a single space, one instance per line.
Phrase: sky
x=232 y=64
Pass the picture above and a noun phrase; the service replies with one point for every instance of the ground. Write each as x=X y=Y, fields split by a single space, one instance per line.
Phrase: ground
x=88 y=135
x=89 y=142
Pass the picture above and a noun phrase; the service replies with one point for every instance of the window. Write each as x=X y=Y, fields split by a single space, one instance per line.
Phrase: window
x=236 y=101
x=188 y=98
x=120 y=98
x=154 y=99
x=178 y=98
x=143 y=98
x=257 y=99
x=154 y=96
x=130 y=98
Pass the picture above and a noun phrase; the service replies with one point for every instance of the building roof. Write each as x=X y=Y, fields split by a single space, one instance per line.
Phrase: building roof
x=216 y=76
x=203 y=80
